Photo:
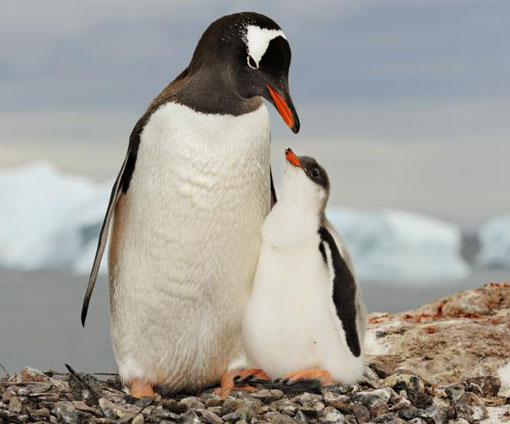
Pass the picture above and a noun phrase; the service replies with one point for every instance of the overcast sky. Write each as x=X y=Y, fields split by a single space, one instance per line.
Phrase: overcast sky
x=406 y=103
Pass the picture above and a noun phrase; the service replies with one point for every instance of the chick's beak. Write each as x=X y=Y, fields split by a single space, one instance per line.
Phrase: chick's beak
x=292 y=158
x=283 y=104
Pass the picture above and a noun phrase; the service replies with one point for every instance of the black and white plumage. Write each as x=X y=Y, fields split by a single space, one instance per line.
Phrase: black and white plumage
x=305 y=310
x=186 y=209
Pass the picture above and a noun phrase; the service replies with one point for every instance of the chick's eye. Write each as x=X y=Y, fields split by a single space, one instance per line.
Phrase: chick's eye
x=315 y=173
x=251 y=62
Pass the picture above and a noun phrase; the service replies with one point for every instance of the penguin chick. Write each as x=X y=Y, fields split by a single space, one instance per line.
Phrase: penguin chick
x=305 y=318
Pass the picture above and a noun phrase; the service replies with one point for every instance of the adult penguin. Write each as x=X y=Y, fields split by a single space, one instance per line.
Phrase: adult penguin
x=187 y=208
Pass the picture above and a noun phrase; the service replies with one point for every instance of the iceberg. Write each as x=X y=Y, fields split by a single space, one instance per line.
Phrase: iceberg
x=47 y=216
x=399 y=247
x=494 y=236
x=51 y=219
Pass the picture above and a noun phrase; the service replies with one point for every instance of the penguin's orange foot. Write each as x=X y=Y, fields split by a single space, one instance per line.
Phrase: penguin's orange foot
x=140 y=388
x=228 y=381
x=321 y=375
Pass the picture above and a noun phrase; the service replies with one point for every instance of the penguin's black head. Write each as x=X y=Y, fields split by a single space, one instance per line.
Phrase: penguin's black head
x=250 y=55
x=305 y=184
x=316 y=173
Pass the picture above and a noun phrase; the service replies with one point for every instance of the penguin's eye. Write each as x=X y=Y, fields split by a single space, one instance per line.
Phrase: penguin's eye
x=315 y=173
x=251 y=62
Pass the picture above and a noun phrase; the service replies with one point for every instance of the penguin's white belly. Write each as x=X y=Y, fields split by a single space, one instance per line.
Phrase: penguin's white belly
x=185 y=244
x=288 y=323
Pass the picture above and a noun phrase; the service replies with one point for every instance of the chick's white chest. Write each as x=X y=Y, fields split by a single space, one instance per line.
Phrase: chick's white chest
x=288 y=308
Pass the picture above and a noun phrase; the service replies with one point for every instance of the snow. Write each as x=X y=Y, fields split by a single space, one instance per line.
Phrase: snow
x=46 y=216
x=494 y=237
x=400 y=247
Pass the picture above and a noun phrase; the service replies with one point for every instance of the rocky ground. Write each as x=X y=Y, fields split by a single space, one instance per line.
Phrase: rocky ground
x=447 y=361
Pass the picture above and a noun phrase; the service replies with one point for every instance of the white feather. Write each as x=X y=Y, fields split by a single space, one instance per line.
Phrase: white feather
x=185 y=244
x=288 y=322
x=258 y=39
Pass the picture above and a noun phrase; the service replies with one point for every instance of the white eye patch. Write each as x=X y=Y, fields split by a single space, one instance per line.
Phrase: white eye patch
x=257 y=41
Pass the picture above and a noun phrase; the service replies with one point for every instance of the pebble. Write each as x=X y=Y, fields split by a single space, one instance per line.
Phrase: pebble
x=338 y=401
x=15 y=404
x=470 y=407
x=138 y=419
x=404 y=381
x=66 y=412
x=230 y=405
x=395 y=399
x=361 y=413
x=174 y=406
x=267 y=396
x=234 y=417
x=370 y=398
x=190 y=417
x=210 y=417
x=192 y=403
x=307 y=399
x=331 y=415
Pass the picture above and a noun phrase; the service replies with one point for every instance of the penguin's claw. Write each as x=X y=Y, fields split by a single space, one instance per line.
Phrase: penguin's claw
x=239 y=380
x=139 y=388
x=324 y=377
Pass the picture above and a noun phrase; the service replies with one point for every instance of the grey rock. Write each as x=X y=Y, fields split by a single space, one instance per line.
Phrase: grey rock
x=307 y=399
x=371 y=398
x=138 y=419
x=300 y=418
x=350 y=419
x=159 y=414
x=230 y=405
x=285 y=406
x=331 y=415
x=417 y=421
x=24 y=391
x=483 y=386
x=402 y=381
x=190 y=417
x=401 y=403
x=215 y=409
x=267 y=396
x=339 y=388
x=192 y=402
x=43 y=412
x=210 y=417
x=174 y=406
x=361 y=413
x=277 y=418
x=313 y=410
x=214 y=401
x=250 y=406
x=234 y=417
x=16 y=404
x=455 y=391
x=338 y=401
x=66 y=412
x=470 y=407
x=419 y=399
x=409 y=413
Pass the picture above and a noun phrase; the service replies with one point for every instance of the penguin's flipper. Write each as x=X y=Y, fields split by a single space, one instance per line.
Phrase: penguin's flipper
x=273 y=191
x=120 y=187
x=103 y=238
x=343 y=290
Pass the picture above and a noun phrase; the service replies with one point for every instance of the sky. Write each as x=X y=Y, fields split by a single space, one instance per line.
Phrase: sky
x=406 y=104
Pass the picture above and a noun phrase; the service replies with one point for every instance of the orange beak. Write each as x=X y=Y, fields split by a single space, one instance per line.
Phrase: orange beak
x=292 y=158
x=283 y=109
